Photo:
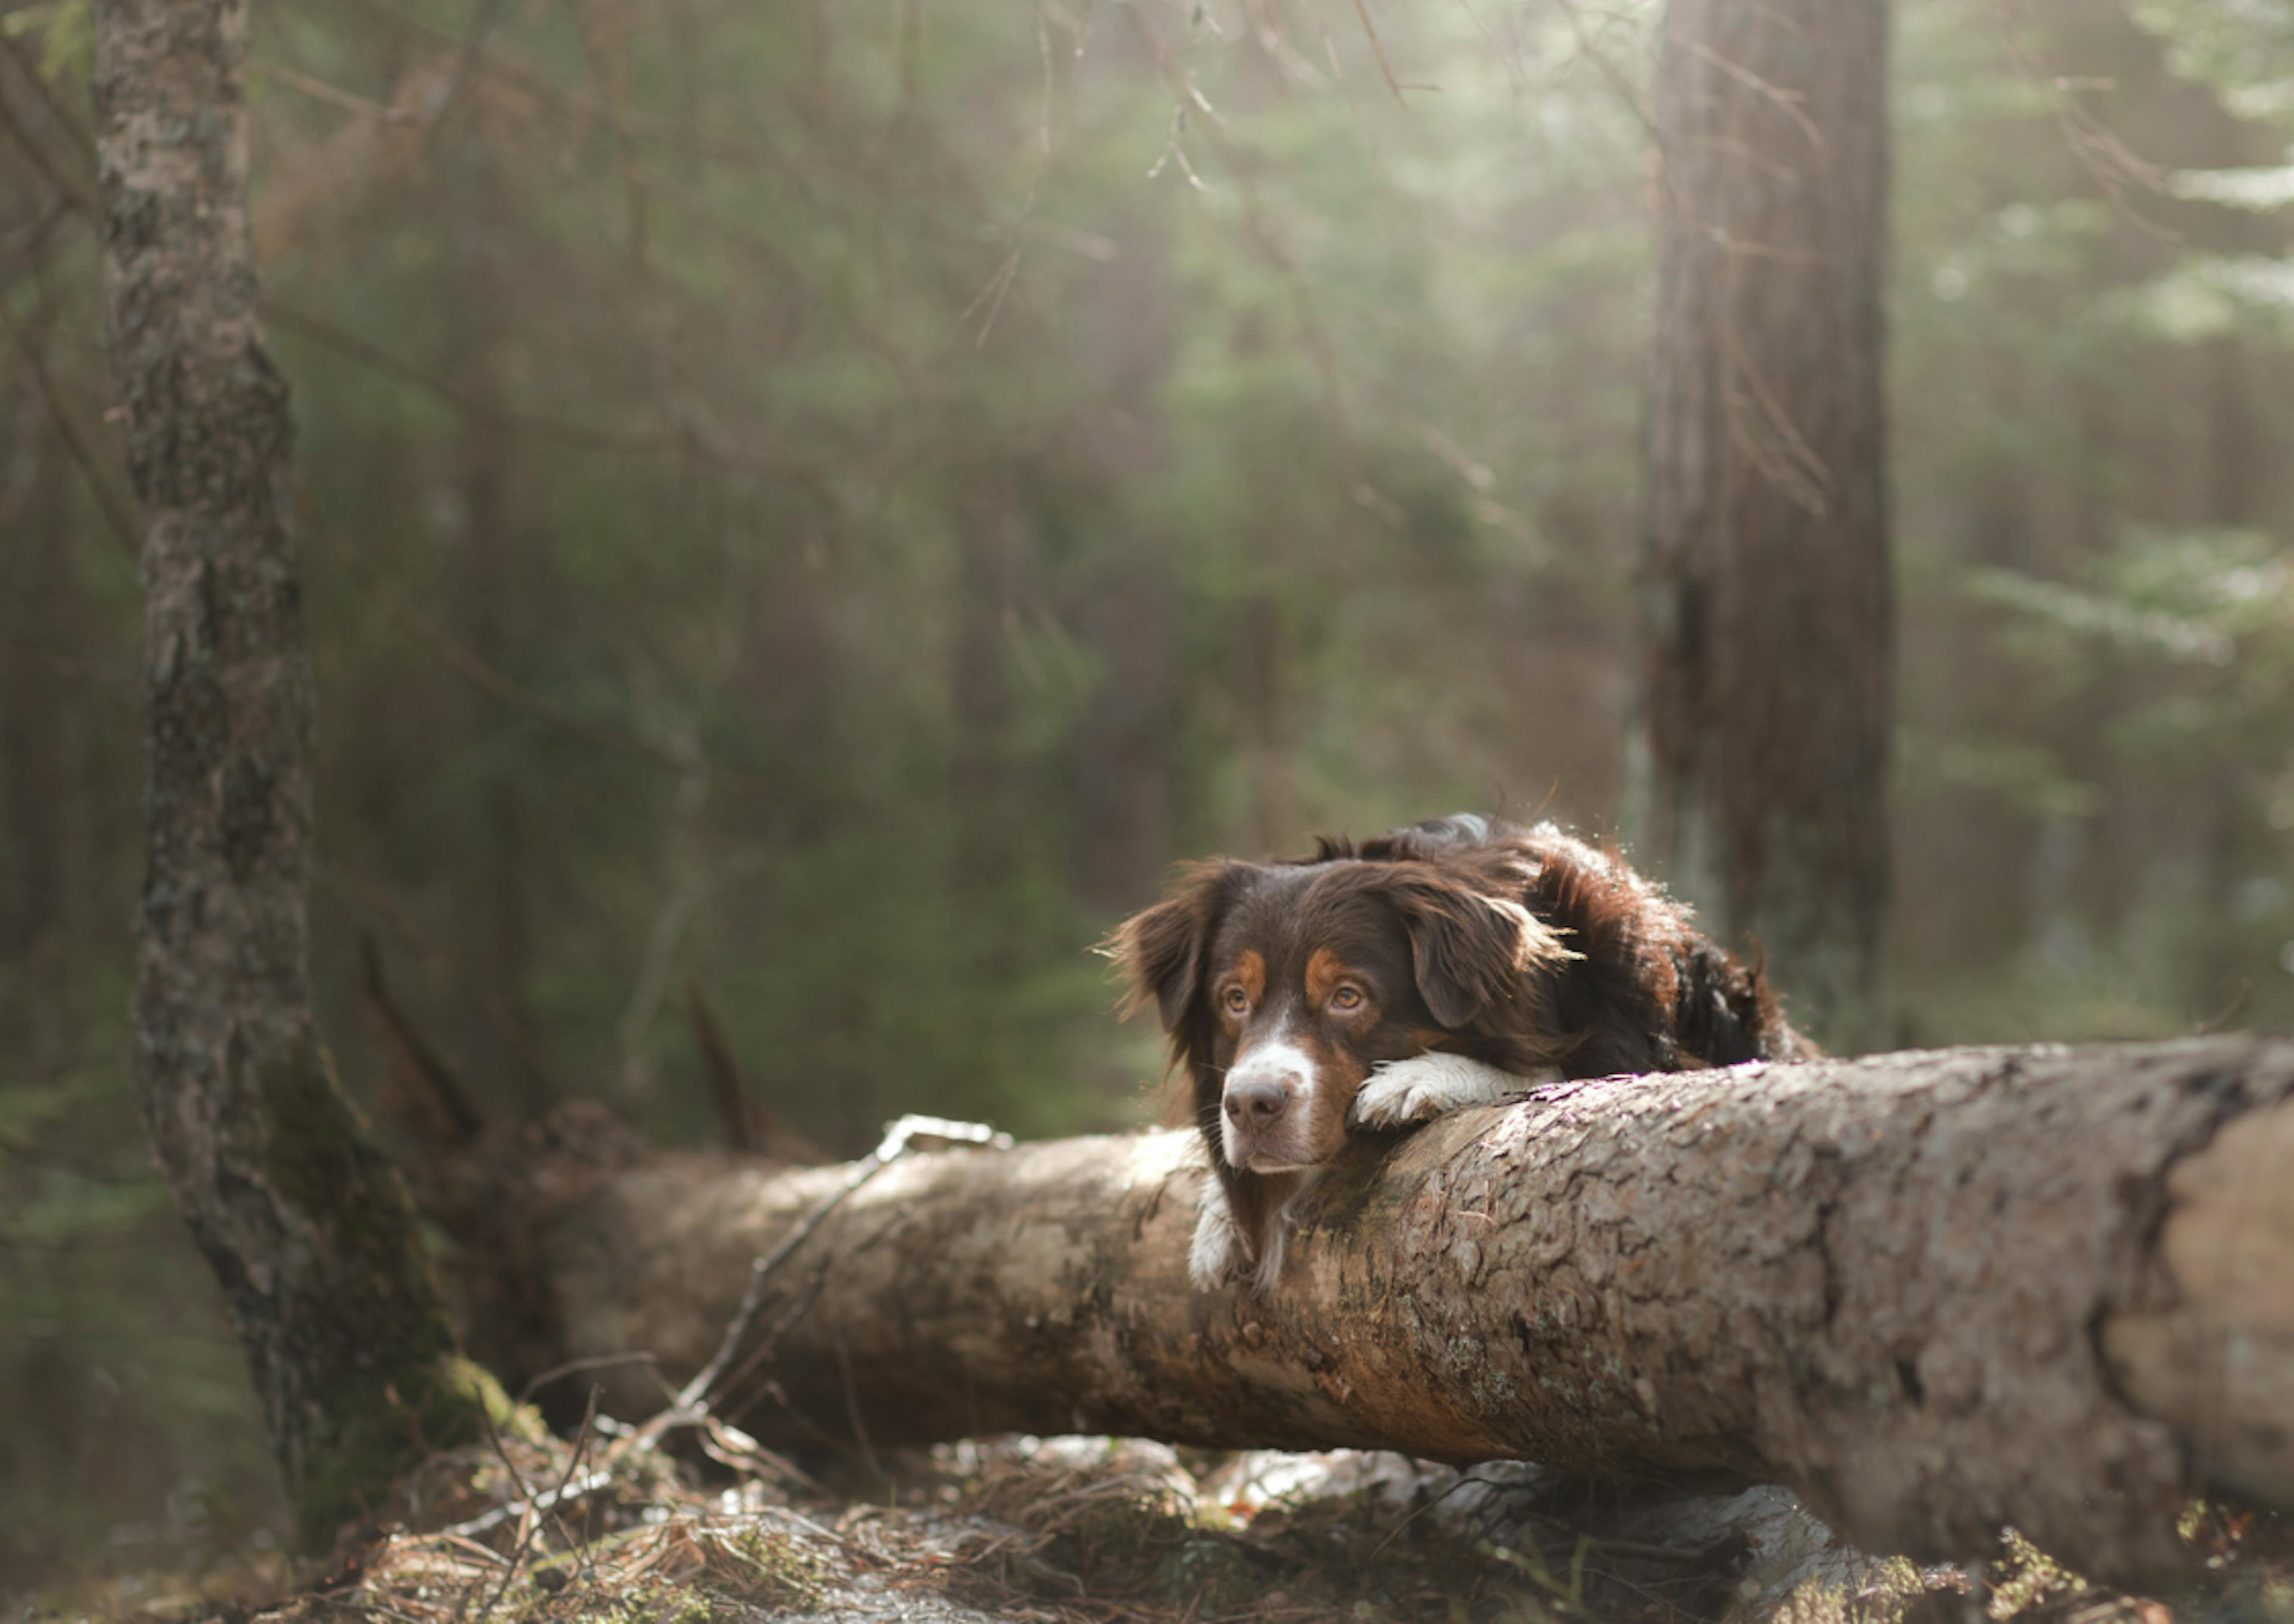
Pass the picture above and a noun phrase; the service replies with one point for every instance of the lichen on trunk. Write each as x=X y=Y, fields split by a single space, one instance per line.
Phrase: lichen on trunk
x=306 y=1226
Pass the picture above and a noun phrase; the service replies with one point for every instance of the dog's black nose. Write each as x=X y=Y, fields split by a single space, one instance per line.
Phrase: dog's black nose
x=1256 y=1102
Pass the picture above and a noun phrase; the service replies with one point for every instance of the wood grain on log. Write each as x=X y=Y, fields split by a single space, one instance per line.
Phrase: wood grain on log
x=1932 y=1293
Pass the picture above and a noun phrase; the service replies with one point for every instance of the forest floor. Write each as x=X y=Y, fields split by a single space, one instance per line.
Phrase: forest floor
x=1071 y=1531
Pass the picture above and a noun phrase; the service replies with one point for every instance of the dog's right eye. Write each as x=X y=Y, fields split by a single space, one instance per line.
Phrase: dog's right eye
x=1237 y=1000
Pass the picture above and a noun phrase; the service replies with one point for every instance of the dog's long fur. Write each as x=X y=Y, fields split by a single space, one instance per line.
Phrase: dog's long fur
x=1499 y=954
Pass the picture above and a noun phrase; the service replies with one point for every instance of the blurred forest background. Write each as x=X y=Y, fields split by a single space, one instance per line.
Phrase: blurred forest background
x=825 y=503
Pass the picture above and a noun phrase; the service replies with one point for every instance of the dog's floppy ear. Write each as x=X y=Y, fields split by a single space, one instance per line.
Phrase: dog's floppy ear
x=1160 y=953
x=1472 y=953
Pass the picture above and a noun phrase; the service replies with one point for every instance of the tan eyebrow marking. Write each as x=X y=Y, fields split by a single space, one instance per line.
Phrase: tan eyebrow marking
x=1324 y=970
x=1251 y=973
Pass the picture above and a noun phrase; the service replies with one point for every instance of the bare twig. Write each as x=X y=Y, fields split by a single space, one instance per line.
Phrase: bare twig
x=24 y=246
x=575 y=1367
x=535 y=82
x=1259 y=225
x=472 y=42
x=852 y=1412
x=364 y=891
x=1378 y=49
x=2110 y=162
x=68 y=183
x=1008 y=272
x=567 y=1490
x=613 y=92
x=333 y=95
x=1786 y=101
x=899 y=1138
x=1766 y=436
x=726 y=1088
x=115 y=513
x=696 y=434
x=690 y=883
x=39 y=1155
x=530 y=1518
x=643 y=442
x=479 y=671
x=61 y=110
x=524 y=1498
x=444 y=1110
x=1619 y=84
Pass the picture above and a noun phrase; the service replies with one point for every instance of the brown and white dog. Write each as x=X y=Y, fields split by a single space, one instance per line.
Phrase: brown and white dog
x=1454 y=962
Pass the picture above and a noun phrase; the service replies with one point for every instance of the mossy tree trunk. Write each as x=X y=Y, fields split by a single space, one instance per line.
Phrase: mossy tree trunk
x=1757 y=782
x=306 y=1226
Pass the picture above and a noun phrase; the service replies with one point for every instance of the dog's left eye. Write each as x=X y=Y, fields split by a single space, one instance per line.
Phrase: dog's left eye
x=1346 y=998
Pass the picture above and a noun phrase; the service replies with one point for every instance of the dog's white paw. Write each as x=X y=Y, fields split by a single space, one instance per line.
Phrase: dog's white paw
x=1216 y=1256
x=1400 y=1092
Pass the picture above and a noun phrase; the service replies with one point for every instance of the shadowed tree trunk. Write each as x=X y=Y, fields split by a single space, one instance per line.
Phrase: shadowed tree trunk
x=497 y=576
x=1931 y=1293
x=37 y=724
x=306 y=1226
x=1757 y=777
x=505 y=1039
x=1127 y=736
x=983 y=610
x=1128 y=610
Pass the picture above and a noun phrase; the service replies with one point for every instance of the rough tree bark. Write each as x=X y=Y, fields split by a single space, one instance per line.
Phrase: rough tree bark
x=1757 y=776
x=1931 y=1293
x=307 y=1227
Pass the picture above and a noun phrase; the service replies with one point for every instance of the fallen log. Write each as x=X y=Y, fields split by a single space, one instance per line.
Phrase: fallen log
x=1932 y=1293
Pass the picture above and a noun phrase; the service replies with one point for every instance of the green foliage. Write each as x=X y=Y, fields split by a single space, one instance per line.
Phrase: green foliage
x=2244 y=50
x=2090 y=343
x=65 y=30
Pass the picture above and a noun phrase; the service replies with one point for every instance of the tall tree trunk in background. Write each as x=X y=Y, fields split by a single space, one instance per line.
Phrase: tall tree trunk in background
x=2235 y=845
x=506 y=1041
x=1757 y=780
x=983 y=608
x=1264 y=656
x=306 y=1226
x=36 y=701
x=1127 y=737
x=1127 y=610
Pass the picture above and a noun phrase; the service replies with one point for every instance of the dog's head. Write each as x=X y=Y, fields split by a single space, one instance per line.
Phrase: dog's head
x=1282 y=985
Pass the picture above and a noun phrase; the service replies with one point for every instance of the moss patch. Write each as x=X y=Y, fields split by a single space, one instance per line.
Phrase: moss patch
x=377 y=1430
